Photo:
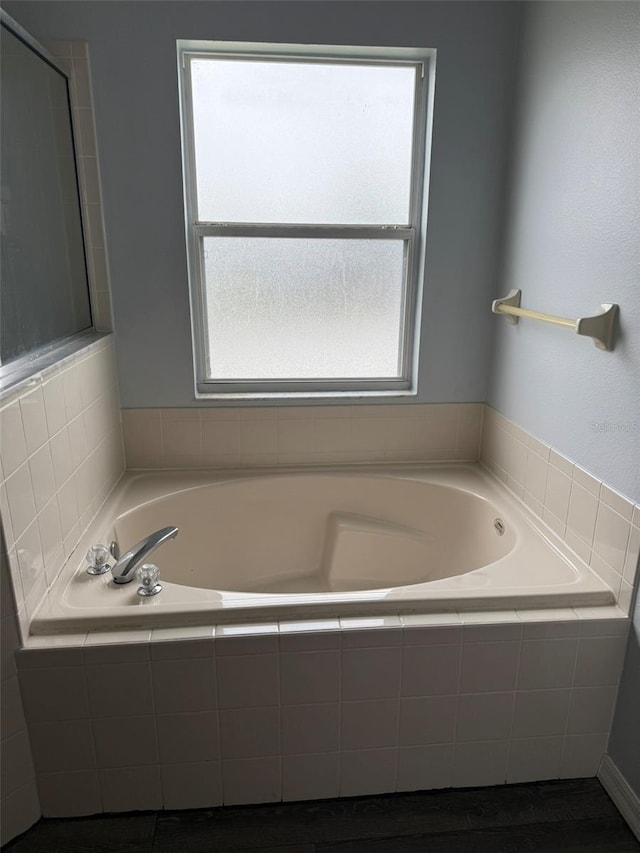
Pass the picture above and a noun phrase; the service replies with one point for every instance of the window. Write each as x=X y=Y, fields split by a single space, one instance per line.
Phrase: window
x=305 y=173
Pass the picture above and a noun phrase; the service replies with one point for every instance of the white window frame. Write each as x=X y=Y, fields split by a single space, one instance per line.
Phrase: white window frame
x=413 y=233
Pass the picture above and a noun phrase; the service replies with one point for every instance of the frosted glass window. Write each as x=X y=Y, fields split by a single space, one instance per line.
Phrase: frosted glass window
x=304 y=175
x=303 y=309
x=302 y=142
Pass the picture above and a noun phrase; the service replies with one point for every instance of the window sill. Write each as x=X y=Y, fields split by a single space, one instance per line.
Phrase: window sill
x=20 y=371
x=302 y=396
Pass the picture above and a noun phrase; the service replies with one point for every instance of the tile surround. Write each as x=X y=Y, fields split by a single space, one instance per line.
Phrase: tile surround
x=61 y=453
x=191 y=786
x=480 y=763
x=439 y=710
x=61 y=456
x=310 y=728
x=74 y=794
x=600 y=525
x=310 y=777
x=424 y=767
x=336 y=707
x=291 y=739
x=300 y=435
x=186 y=739
x=130 y=789
x=251 y=780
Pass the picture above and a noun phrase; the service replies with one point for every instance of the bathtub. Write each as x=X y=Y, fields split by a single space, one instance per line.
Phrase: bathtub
x=263 y=546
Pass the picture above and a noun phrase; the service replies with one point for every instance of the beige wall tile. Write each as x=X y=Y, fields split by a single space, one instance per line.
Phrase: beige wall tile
x=34 y=419
x=54 y=402
x=583 y=509
x=12 y=438
x=611 y=537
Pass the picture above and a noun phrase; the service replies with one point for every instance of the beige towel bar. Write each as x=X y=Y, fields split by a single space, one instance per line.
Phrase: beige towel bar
x=600 y=326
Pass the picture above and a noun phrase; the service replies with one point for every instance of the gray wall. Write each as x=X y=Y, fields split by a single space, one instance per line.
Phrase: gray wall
x=572 y=239
x=572 y=242
x=133 y=61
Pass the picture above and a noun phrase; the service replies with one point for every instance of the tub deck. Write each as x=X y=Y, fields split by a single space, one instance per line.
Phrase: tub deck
x=536 y=571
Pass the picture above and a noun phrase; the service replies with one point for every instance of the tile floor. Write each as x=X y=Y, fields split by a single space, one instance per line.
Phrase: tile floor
x=573 y=816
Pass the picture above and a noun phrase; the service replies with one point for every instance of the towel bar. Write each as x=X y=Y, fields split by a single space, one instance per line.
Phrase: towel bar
x=600 y=326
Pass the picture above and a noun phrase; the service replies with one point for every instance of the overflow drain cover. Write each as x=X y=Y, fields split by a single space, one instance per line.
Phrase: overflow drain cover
x=499 y=526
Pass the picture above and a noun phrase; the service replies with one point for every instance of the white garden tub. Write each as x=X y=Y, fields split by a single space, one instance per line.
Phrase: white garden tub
x=285 y=545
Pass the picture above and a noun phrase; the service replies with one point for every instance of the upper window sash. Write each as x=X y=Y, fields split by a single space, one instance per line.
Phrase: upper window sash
x=400 y=58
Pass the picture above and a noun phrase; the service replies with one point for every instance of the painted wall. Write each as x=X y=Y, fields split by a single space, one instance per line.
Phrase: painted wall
x=571 y=236
x=571 y=242
x=133 y=62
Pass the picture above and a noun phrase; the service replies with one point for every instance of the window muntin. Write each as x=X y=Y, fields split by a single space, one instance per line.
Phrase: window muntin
x=317 y=221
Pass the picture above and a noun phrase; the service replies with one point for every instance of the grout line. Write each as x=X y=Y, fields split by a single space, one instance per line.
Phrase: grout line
x=340 y=706
x=455 y=741
x=513 y=705
x=278 y=655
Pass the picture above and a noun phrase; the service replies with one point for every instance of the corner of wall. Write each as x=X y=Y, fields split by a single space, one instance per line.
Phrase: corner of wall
x=624 y=797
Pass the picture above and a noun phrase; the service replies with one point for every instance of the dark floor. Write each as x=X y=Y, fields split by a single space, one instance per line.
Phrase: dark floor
x=555 y=817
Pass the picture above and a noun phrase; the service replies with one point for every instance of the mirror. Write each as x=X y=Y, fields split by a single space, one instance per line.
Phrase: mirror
x=44 y=294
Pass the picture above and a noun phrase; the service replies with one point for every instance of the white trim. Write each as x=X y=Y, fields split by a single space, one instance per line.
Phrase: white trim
x=624 y=797
x=362 y=54
x=325 y=232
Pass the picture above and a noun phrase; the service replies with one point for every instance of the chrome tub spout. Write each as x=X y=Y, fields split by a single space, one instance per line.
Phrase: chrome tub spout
x=124 y=570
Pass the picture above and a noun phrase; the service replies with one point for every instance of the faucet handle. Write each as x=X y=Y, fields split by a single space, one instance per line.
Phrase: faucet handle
x=148 y=576
x=97 y=557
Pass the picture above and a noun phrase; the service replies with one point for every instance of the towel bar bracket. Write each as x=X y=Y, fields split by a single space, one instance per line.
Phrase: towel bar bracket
x=511 y=300
x=601 y=326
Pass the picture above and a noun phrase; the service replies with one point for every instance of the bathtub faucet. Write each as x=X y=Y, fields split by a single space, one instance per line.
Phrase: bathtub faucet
x=124 y=570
